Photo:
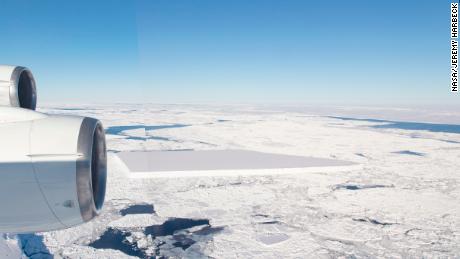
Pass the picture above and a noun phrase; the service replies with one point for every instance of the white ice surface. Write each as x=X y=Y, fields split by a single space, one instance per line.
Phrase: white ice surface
x=10 y=248
x=403 y=202
x=223 y=162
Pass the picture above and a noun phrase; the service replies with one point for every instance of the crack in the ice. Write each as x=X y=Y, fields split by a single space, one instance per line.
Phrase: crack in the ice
x=373 y=221
x=355 y=187
x=410 y=230
x=120 y=131
x=270 y=222
x=360 y=154
x=138 y=209
x=408 y=152
x=406 y=125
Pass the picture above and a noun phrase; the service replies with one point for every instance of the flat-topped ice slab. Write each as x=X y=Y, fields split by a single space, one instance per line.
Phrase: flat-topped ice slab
x=218 y=162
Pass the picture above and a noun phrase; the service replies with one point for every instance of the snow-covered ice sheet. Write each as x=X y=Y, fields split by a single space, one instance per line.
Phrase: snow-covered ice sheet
x=402 y=202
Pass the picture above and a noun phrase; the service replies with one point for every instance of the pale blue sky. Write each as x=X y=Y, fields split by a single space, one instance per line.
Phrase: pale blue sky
x=238 y=51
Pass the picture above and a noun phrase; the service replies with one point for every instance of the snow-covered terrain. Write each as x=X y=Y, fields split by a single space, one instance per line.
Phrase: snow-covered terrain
x=402 y=202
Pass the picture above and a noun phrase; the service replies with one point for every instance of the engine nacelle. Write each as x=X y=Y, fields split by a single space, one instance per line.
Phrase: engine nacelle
x=53 y=169
x=17 y=87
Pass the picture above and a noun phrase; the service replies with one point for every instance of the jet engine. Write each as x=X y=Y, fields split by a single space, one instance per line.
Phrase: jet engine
x=53 y=168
